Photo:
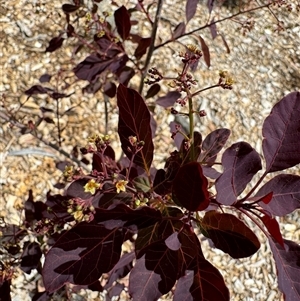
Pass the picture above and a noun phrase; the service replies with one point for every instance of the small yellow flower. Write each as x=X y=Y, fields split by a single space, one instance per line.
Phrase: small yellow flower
x=78 y=216
x=101 y=33
x=223 y=73
x=121 y=185
x=91 y=186
x=68 y=172
x=194 y=49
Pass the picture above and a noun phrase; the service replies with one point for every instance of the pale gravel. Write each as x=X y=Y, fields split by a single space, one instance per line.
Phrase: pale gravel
x=266 y=67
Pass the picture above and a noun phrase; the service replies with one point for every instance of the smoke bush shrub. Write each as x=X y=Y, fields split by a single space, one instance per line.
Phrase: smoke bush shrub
x=161 y=212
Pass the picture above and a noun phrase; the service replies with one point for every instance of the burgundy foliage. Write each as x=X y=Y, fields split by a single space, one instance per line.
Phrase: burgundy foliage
x=203 y=191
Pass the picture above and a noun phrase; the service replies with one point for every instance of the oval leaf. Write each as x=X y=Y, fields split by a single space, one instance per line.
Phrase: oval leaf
x=190 y=9
x=122 y=20
x=213 y=143
x=55 y=43
x=179 y=30
x=288 y=268
x=205 y=51
x=153 y=90
x=240 y=162
x=190 y=187
x=135 y=120
x=143 y=45
x=286 y=194
x=169 y=99
x=281 y=132
x=69 y=8
x=230 y=234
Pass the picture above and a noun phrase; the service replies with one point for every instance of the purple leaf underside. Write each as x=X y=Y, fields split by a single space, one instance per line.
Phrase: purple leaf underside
x=281 y=132
x=240 y=162
x=286 y=194
x=81 y=255
x=190 y=9
x=287 y=262
x=230 y=234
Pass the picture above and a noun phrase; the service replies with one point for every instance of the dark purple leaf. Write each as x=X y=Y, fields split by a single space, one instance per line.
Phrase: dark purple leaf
x=143 y=45
x=121 y=269
x=110 y=89
x=37 y=89
x=81 y=255
x=205 y=51
x=210 y=5
x=281 y=132
x=225 y=43
x=135 y=38
x=134 y=120
x=48 y=120
x=122 y=20
x=189 y=188
x=31 y=257
x=213 y=143
x=190 y=9
x=161 y=184
x=69 y=8
x=45 y=78
x=158 y=266
x=213 y=28
x=91 y=67
x=109 y=48
x=55 y=43
x=179 y=30
x=286 y=194
x=76 y=189
x=210 y=172
x=70 y=30
x=116 y=290
x=154 y=273
x=287 y=262
x=200 y=280
x=122 y=216
x=94 y=65
x=153 y=90
x=230 y=234
x=240 y=162
x=169 y=99
x=125 y=75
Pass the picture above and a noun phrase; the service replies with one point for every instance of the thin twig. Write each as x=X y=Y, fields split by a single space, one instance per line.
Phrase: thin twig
x=212 y=23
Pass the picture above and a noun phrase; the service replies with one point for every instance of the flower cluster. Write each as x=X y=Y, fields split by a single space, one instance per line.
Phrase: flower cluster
x=155 y=76
x=225 y=81
x=81 y=210
x=96 y=143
